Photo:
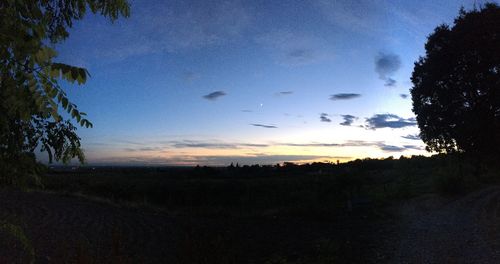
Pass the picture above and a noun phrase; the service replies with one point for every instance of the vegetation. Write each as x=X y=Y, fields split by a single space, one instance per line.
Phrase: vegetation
x=30 y=94
x=318 y=187
x=455 y=92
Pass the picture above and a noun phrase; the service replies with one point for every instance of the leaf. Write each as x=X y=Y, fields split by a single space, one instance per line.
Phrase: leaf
x=65 y=102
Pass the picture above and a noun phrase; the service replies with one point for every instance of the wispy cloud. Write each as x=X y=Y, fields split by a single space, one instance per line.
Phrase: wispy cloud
x=392 y=148
x=324 y=117
x=344 y=96
x=213 y=145
x=295 y=48
x=264 y=126
x=214 y=95
x=389 y=121
x=390 y=82
x=246 y=111
x=284 y=93
x=386 y=64
x=412 y=137
x=348 y=120
x=404 y=96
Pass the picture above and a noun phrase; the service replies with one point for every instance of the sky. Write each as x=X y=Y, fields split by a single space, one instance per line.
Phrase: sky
x=214 y=82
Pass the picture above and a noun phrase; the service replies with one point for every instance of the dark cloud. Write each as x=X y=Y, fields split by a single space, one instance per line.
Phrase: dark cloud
x=389 y=82
x=344 y=96
x=404 y=96
x=412 y=137
x=264 y=126
x=386 y=65
x=285 y=93
x=392 y=148
x=348 y=120
x=324 y=117
x=389 y=120
x=349 y=143
x=309 y=144
x=212 y=145
x=214 y=95
x=191 y=144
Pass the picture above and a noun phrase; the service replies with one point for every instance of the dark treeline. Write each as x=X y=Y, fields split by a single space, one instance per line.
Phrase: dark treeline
x=270 y=186
x=256 y=170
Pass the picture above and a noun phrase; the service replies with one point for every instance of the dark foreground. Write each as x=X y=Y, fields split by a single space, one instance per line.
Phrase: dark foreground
x=429 y=229
x=418 y=210
x=76 y=230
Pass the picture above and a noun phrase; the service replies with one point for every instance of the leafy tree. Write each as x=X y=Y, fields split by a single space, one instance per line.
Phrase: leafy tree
x=31 y=99
x=456 y=85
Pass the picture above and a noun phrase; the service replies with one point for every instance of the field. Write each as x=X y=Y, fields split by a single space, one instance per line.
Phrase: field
x=365 y=211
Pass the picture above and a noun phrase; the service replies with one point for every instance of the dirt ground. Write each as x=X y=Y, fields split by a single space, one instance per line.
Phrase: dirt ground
x=434 y=229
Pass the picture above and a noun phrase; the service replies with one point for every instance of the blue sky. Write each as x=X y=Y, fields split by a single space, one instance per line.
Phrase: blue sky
x=214 y=82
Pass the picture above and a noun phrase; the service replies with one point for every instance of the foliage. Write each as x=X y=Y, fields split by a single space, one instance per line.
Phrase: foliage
x=31 y=99
x=17 y=233
x=455 y=93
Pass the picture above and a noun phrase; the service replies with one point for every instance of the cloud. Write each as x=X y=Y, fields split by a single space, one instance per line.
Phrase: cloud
x=324 y=117
x=404 y=96
x=264 y=126
x=348 y=120
x=412 y=137
x=390 y=82
x=284 y=93
x=392 y=148
x=214 y=95
x=213 y=145
x=344 y=96
x=386 y=65
x=389 y=120
x=294 y=48
x=246 y=111
x=300 y=56
x=349 y=143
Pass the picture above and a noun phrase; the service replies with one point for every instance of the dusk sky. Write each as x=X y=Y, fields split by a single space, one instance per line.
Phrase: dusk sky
x=215 y=82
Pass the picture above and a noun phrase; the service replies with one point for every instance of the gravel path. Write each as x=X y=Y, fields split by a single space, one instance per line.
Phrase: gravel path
x=443 y=230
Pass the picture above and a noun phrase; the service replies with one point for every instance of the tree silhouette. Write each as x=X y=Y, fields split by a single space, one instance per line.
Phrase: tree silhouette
x=456 y=85
x=30 y=95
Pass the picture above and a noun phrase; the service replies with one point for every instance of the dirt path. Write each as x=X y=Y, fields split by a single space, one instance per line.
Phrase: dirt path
x=440 y=230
